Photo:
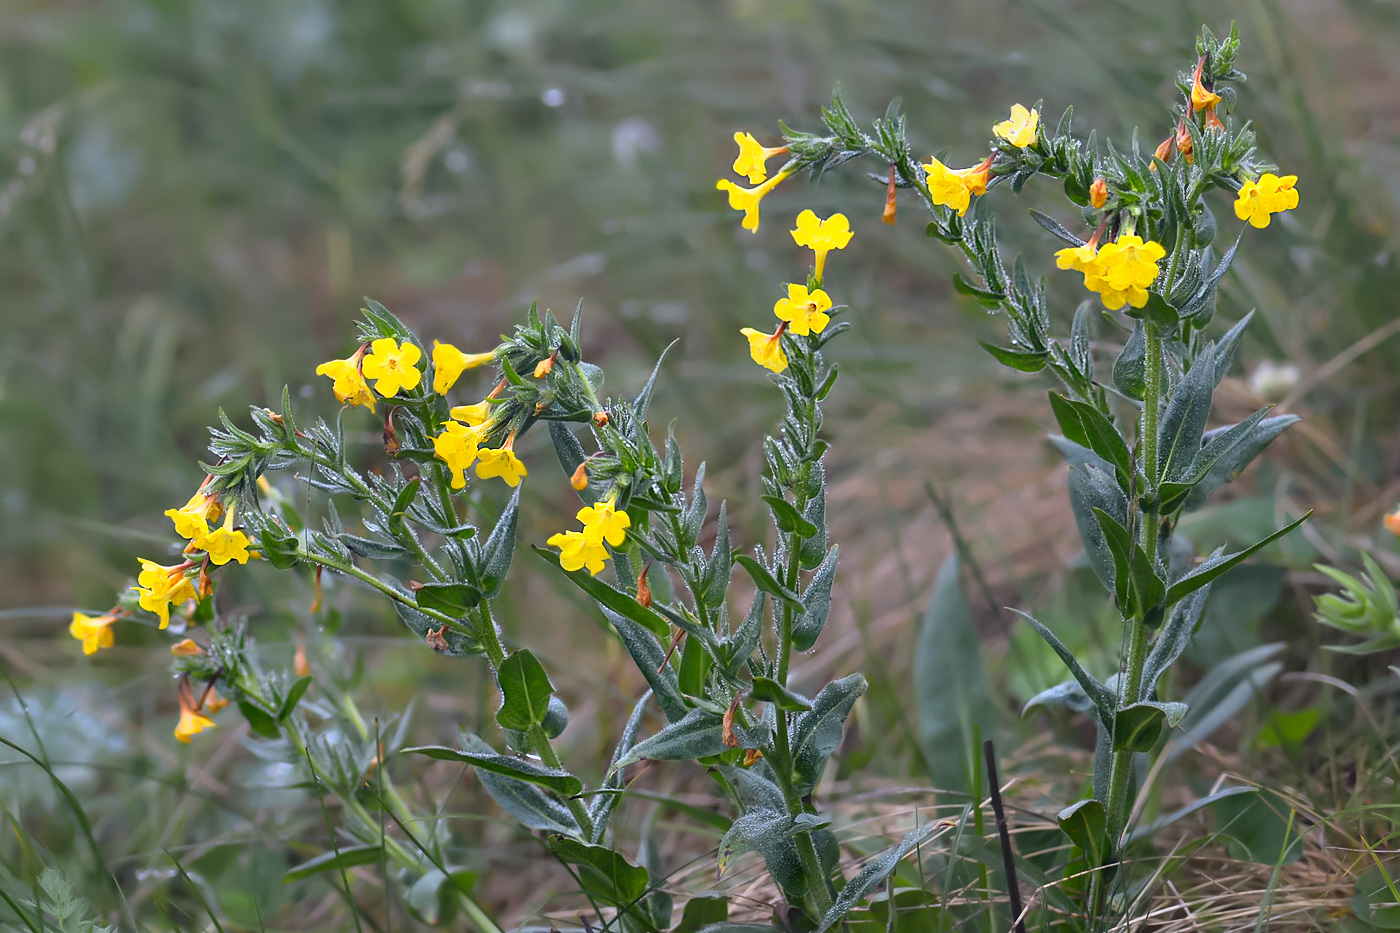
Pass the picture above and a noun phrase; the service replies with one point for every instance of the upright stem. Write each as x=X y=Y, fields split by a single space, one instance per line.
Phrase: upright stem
x=1137 y=631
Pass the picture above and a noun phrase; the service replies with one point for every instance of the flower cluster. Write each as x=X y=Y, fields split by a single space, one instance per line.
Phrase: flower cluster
x=803 y=311
x=1120 y=272
x=603 y=523
x=752 y=162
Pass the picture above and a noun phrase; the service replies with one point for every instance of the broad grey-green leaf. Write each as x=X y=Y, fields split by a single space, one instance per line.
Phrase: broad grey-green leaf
x=875 y=871
x=754 y=831
x=817 y=733
x=951 y=686
x=1066 y=695
x=1129 y=375
x=1090 y=488
x=1232 y=463
x=600 y=810
x=698 y=734
x=525 y=691
x=1176 y=635
x=1138 y=726
x=816 y=604
x=499 y=549
x=1086 y=824
x=603 y=873
x=754 y=787
x=704 y=912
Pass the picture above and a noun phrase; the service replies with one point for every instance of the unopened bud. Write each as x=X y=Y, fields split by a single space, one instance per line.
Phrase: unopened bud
x=543 y=367
x=272 y=416
x=643 y=591
x=1392 y=523
x=299 y=662
x=580 y=478
x=1098 y=193
x=890 y=204
x=1164 y=150
x=600 y=418
x=1183 y=141
x=188 y=648
x=391 y=438
x=751 y=757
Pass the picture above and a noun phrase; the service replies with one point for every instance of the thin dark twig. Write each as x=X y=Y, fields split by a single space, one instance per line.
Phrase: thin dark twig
x=1013 y=887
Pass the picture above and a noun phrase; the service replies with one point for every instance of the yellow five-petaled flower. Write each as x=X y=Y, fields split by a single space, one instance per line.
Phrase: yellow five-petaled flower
x=753 y=157
x=954 y=188
x=767 y=349
x=804 y=311
x=449 y=363
x=192 y=520
x=576 y=553
x=349 y=386
x=458 y=446
x=1271 y=194
x=392 y=366
x=747 y=199
x=1123 y=270
x=821 y=236
x=192 y=718
x=500 y=462
x=93 y=632
x=603 y=521
x=160 y=587
x=224 y=544
x=1020 y=130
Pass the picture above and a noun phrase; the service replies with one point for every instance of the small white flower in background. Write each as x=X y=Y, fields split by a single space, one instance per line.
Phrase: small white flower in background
x=1273 y=381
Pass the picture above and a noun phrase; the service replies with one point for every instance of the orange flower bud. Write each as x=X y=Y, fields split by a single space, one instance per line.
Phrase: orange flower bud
x=751 y=757
x=580 y=478
x=299 y=662
x=1098 y=193
x=643 y=591
x=600 y=418
x=1183 y=140
x=890 y=205
x=543 y=367
x=1392 y=523
x=187 y=648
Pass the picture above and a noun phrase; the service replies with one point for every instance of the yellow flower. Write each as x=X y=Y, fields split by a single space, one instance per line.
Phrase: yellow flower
x=753 y=157
x=94 y=633
x=500 y=462
x=224 y=544
x=821 y=236
x=603 y=522
x=576 y=552
x=192 y=520
x=472 y=415
x=954 y=188
x=449 y=363
x=350 y=387
x=767 y=349
x=392 y=366
x=186 y=648
x=1123 y=270
x=746 y=199
x=160 y=587
x=805 y=312
x=1078 y=258
x=458 y=445
x=1269 y=195
x=1020 y=130
x=192 y=721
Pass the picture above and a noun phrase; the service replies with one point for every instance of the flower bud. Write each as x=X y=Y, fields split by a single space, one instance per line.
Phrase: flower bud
x=188 y=648
x=543 y=367
x=890 y=205
x=643 y=591
x=751 y=757
x=600 y=418
x=1098 y=193
x=1392 y=523
x=580 y=478
x=299 y=662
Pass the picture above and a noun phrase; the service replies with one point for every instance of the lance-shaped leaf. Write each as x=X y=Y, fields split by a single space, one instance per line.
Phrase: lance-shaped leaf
x=1055 y=228
x=1184 y=421
x=499 y=549
x=1065 y=695
x=479 y=755
x=1129 y=370
x=714 y=581
x=525 y=691
x=770 y=691
x=698 y=734
x=951 y=686
x=1233 y=462
x=735 y=649
x=1024 y=361
x=1086 y=824
x=1103 y=699
x=600 y=810
x=453 y=599
x=787 y=518
x=1219 y=563
x=816 y=604
x=1176 y=635
x=611 y=599
x=603 y=873
x=1086 y=425
x=1216 y=445
x=1138 y=726
x=650 y=659
x=643 y=399
x=1144 y=589
x=1151 y=829
x=761 y=830
x=765 y=581
x=817 y=733
x=1093 y=489
x=875 y=871
x=344 y=857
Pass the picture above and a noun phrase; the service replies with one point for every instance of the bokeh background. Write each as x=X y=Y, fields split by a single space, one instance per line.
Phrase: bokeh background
x=195 y=194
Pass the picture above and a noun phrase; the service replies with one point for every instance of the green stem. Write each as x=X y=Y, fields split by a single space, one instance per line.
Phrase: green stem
x=1120 y=775
x=818 y=895
x=350 y=570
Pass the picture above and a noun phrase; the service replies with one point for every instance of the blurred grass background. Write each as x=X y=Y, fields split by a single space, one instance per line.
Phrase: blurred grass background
x=194 y=194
